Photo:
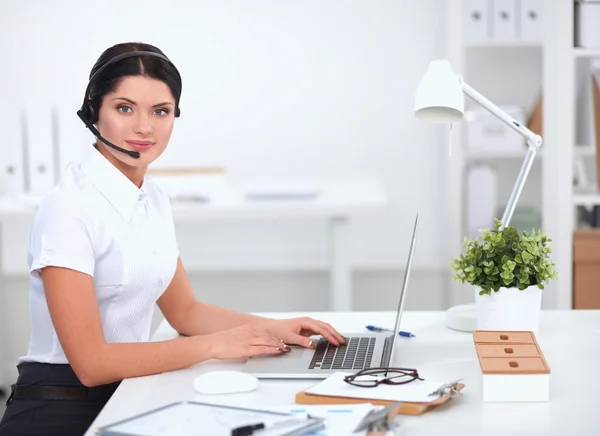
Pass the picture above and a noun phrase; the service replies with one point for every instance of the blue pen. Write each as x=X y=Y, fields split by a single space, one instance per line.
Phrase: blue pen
x=381 y=329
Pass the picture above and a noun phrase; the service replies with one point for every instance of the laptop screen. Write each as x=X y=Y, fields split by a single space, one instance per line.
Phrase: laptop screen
x=403 y=292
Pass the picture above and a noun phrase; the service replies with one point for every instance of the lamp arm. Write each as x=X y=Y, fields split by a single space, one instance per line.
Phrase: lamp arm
x=534 y=142
x=518 y=187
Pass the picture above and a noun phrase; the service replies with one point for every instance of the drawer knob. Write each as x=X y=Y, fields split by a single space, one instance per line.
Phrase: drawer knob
x=513 y=364
x=508 y=351
x=504 y=337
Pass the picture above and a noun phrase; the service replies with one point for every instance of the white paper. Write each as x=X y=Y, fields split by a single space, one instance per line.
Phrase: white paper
x=281 y=190
x=340 y=419
x=416 y=391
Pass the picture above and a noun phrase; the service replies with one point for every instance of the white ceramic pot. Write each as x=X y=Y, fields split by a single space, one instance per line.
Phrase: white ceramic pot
x=509 y=309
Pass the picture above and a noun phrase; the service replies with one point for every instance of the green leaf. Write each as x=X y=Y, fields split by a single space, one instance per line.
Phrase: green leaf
x=504 y=257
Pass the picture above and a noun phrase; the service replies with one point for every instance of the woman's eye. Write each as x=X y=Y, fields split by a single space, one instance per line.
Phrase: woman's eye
x=164 y=111
x=123 y=109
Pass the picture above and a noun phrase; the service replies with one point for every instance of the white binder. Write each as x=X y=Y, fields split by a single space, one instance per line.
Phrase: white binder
x=12 y=174
x=477 y=15
x=505 y=20
x=531 y=23
x=40 y=141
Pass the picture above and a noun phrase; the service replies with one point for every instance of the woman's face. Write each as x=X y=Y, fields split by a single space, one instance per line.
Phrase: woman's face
x=138 y=116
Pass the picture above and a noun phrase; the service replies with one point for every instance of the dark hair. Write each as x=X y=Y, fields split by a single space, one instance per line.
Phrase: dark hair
x=149 y=66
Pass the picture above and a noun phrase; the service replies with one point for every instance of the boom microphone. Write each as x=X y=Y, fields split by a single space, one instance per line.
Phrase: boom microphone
x=134 y=154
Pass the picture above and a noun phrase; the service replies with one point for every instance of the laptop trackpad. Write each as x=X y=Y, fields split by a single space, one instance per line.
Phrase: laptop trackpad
x=295 y=360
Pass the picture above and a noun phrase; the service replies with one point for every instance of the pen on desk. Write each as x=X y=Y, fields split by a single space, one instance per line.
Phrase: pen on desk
x=381 y=329
x=248 y=430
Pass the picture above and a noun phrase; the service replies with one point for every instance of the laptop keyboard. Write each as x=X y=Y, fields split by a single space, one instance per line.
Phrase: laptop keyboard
x=356 y=353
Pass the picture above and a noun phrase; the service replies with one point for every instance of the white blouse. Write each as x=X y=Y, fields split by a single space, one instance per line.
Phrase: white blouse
x=98 y=222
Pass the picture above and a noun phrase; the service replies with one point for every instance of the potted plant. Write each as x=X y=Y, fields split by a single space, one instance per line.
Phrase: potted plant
x=508 y=271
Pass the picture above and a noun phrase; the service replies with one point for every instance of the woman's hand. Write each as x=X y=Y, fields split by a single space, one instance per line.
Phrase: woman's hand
x=296 y=331
x=244 y=341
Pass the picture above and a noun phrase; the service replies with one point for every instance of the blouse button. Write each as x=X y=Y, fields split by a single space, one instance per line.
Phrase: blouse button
x=160 y=283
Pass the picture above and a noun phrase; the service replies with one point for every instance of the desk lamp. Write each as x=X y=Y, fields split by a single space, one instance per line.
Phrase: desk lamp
x=439 y=99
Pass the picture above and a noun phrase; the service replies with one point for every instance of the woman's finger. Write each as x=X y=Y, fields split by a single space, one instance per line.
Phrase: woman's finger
x=307 y=332
x=341 y=339
x=258 y=350
x=321 y=330
x=270 y=341
x=303 y=341
x=325 y=330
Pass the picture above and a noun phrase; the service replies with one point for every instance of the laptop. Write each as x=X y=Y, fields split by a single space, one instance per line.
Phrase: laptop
x=362 y=350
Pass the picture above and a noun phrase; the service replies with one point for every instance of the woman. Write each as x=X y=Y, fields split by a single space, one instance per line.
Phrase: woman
x=103 y=251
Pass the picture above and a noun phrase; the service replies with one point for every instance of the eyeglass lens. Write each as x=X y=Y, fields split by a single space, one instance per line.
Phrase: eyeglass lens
x=369 y=377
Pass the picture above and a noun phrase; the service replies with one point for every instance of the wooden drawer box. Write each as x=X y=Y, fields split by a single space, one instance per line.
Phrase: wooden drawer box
x=508 y=350
x=497 y=337
x=586 y=269
x=513 y=367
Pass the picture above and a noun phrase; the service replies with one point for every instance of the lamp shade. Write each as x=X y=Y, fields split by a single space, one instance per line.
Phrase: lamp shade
x=439 y=97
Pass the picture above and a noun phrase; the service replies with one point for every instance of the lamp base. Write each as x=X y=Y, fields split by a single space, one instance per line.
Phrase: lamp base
x=462 y=318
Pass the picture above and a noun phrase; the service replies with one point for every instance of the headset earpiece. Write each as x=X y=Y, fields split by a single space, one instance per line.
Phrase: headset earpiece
x=89 y=111
x=177 y=112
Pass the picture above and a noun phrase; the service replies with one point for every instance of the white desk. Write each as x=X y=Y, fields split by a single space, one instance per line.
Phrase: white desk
x=570 y=341
x=338 y=201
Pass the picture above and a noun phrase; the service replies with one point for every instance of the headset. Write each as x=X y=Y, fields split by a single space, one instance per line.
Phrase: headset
x=88 y=112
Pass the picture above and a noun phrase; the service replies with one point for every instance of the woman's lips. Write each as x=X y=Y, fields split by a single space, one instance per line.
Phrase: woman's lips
x=140 y=145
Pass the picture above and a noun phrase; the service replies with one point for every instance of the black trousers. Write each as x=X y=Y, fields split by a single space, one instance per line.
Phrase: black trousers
x=33 y=417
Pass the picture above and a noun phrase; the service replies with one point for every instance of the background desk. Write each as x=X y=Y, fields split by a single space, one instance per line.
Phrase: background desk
x=338 y=201
x=570 y=341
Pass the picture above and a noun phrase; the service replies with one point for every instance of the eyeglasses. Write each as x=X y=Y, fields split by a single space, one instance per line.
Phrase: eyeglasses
x=371 y=377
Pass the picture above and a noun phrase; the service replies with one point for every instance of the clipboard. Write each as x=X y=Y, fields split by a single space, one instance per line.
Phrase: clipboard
x=405 y=408
x=185 y=418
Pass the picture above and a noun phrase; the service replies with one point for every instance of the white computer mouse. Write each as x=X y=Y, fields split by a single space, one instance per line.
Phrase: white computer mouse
x=224 y=382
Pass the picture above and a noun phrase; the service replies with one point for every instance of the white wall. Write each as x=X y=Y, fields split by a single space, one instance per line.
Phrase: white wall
x=271 y=90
